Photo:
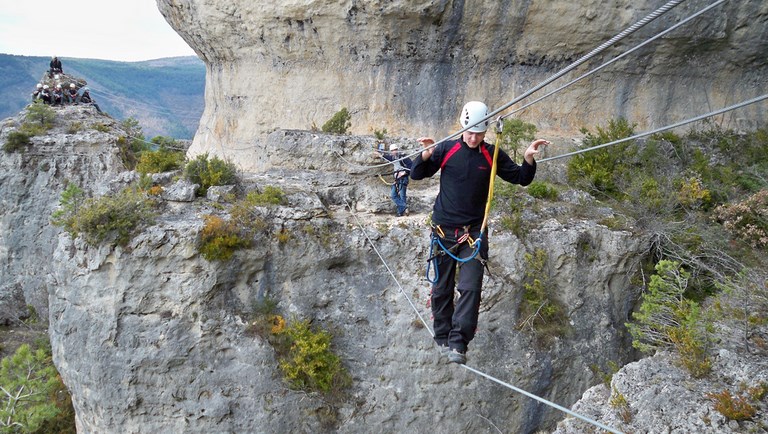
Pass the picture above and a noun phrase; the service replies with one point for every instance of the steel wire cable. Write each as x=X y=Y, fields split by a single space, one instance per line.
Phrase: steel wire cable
x=476 y=371
x=657 y=130
x=635 y=48
x=600 y=48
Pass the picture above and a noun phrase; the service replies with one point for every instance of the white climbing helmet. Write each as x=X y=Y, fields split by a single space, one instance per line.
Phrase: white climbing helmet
x=472 y=113
x=45 y=87
x=393 y=147
x=39 y=85
x=71 y=85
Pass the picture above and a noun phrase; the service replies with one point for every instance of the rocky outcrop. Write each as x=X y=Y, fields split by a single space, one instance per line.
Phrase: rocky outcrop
x=152 y=337
x=409 y=65
x=31 y=182
x=167 y=329
x=656 y=394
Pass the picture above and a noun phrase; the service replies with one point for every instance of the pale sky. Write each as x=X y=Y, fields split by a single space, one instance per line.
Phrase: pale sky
x=124 y=30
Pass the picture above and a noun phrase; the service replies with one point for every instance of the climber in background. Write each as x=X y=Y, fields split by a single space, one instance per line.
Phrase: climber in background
x=457 y=220
x=71 y=94
x=38 y=90
x=85 y=98
x=58 y=96
x=401 y=170
x=45 y=94
x=55 y=67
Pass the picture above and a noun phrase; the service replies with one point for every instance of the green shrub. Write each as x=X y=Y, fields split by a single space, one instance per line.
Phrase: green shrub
x=162 y=160
x=98 y=219
x=42 y=115
x=209 y=172
x=691 y=194
x=34 y=397
x=602 y=170
x=17 y=140
x=542 y=190
x=244 y=216
x=132 y=145
x=619 y=402
x=74 y=127
x=667 y=136
x=666 y=319
x=69 y=205
x=307 y=361
x=340 y=123
x=101 y=127
x=539 y=309
x=220 y=239
x=380 y=134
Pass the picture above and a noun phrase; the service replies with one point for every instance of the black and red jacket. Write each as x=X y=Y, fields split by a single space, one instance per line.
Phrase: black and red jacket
x=465 y=178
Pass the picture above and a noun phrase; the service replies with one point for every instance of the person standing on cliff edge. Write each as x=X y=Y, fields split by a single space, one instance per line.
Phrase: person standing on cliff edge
x=401 y=168
x=457 y=215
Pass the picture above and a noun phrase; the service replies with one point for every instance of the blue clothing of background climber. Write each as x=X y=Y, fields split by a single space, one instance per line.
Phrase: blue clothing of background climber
x=400 y=172
x=457 y=217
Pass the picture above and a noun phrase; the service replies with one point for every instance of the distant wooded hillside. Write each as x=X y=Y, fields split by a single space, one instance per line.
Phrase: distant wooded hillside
x=164 y=95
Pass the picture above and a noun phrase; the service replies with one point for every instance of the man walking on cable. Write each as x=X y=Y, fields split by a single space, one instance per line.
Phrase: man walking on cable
x=457 y=216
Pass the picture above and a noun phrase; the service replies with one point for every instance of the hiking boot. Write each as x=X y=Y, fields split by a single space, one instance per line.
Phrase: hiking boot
x=406 y=212
x=454 y=356
x=443 y=349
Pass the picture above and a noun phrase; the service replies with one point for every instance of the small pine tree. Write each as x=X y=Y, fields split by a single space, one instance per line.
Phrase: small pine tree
x=30 y=384
x=340 y=123
x=514 y=133
x=666 y=319
x=41 y=114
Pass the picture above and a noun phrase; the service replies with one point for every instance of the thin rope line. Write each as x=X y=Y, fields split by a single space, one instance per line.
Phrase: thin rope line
x=542 y=400
x=668 y=127
x=626 y=32
x=496 y=380
x=360 y=225
x=637 y=47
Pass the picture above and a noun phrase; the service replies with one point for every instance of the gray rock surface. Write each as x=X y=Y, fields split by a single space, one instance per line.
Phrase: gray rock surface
x=661 y=397
x=409 y=65
x=31 y=183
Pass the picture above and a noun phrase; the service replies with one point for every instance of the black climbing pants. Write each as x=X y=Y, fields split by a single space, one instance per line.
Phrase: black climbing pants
x=455 y=323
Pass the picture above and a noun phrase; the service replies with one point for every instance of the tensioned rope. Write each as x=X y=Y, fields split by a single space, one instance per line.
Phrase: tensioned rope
x=615 y=59
x=389 y=270
x=657 y=130
x=602 y=47
x=478 y=372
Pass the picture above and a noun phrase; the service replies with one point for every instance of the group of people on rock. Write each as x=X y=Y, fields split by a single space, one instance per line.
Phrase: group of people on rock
x=59 y=96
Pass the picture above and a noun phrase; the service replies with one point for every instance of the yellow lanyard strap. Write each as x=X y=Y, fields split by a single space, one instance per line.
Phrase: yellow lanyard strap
x=493 y=177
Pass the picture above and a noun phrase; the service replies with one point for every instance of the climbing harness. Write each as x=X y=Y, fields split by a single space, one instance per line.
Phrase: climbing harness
x=438 y=247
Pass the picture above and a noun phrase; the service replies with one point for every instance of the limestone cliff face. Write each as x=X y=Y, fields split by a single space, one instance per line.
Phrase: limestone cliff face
x=409 y=65
x=31 y=183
